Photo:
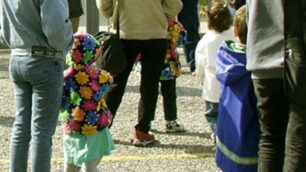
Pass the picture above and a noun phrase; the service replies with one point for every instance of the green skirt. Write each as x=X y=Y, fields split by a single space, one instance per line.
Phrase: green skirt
x=83 y=148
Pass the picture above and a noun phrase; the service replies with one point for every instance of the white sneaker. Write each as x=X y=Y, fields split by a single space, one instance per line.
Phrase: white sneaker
x=174 y=126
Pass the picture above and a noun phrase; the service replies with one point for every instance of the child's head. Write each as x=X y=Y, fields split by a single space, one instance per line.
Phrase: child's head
x=85 y=50
x=219 y=17
x=240 y=25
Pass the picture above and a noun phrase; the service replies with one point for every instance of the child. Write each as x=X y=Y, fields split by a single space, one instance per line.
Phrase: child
x=219 y=25
x=84 y=112
x=170 y=71
x=238 y=128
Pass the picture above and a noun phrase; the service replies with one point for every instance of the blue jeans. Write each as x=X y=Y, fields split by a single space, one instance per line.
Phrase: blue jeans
x=37 y=90
x=211 y=115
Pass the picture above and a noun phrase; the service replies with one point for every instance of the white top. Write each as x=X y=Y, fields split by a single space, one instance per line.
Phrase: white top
x=205 y=58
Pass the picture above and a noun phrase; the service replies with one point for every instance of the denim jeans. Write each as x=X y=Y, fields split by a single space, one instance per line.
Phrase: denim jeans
x=211 y=115
x=282 y=144
x=37 y=91
x=168 y=91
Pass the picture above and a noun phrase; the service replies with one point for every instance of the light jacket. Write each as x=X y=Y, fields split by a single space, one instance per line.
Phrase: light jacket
x=205 y=56
x=265 y=43
x=142 y=19
x=35 y=22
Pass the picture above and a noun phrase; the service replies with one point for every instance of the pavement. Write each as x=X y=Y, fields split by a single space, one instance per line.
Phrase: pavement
x=190 y=151
x=4 y=62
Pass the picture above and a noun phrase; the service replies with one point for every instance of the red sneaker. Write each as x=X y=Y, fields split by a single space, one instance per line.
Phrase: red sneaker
x=142 y=139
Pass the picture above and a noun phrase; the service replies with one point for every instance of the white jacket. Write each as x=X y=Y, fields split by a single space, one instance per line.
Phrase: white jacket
x=205 y=58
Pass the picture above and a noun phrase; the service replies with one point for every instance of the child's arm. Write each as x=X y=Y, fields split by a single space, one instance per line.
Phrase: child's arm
x=200 y=58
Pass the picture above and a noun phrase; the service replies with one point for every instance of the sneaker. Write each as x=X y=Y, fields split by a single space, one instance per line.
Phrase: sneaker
x=142 y=139
x=173 y=127
x=213 y=138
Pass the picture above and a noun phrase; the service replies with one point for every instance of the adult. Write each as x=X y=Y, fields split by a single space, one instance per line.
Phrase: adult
x=189 y=17
x=38 y=40
x=275 y=46
x=75 y=13
x=143 y=29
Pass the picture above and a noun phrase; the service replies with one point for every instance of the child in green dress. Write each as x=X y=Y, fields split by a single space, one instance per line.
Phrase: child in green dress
x=83 y=111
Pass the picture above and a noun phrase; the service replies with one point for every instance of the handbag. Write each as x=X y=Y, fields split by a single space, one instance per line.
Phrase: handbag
x=113 y=58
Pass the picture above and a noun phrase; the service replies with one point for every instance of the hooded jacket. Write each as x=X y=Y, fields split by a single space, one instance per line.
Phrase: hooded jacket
x=238 y=127
x=83 y=107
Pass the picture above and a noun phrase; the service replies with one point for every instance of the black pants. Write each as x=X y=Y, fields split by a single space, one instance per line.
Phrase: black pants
x=282 y=145
x=153 y=54
x=168 y=91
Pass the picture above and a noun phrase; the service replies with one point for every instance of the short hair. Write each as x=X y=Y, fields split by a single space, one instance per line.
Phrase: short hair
x=240 y=24
x=219 y=17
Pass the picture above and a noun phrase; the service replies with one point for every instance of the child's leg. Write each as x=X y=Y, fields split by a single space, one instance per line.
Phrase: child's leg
x=71 y=168
x=211 y=115
x=91 y=166
x=168 y=90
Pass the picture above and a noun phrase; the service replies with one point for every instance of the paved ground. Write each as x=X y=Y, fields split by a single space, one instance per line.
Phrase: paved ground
x=184 y=152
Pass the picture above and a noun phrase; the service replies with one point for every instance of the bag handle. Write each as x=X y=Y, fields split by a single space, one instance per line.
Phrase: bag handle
x=118 y=23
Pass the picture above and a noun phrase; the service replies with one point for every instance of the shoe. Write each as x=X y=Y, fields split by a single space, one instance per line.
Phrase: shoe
x=174 y=126
x=213 y=137
x=142 y=139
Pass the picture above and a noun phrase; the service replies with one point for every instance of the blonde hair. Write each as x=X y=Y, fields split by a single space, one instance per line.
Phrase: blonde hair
x=240 y=24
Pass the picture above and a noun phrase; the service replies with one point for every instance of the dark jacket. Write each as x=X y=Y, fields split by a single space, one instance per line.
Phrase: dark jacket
x=75 y=8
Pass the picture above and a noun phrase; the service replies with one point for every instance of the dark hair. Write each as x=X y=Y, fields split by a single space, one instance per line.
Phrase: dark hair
x=219 y=17
x=240 y=24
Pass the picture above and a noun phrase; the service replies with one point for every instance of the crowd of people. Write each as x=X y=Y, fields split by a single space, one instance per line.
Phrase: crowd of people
x=250 y=63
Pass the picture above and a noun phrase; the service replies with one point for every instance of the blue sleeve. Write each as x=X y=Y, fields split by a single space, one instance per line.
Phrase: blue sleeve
x=56 y=25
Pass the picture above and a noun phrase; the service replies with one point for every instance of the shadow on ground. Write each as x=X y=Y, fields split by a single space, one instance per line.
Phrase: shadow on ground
x=181 y=91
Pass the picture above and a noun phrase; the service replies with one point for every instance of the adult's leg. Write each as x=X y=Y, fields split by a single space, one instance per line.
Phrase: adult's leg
x=46 y=78
x=190 y=20
x=114 y=94
x=153 y=56
x=273 y=119
x=21 y=133
x=168 y=91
